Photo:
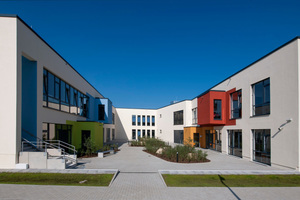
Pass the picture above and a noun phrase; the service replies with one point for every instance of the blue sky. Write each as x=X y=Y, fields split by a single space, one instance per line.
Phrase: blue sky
x=144 y=54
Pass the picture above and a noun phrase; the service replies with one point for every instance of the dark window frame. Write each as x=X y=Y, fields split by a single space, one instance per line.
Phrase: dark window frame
x=238 y=109
x=178 y=118
x=218 y=111
x=265 y=106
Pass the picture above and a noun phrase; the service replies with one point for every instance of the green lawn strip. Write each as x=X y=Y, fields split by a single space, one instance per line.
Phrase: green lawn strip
x=56 y=179
x=232 y=180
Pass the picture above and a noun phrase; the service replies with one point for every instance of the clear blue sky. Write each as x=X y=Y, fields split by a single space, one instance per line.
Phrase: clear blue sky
x=144 y=54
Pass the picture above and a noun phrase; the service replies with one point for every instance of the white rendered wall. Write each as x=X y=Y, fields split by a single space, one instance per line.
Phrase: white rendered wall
x=165 y=119
x=10 y=114
x=282 y=69
x=124 y=122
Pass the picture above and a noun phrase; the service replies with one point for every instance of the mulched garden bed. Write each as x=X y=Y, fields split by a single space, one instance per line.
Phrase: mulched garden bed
x=169 y=160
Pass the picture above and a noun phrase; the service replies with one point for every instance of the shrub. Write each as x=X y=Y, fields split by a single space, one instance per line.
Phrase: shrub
x=90 y=146
x=153 y=144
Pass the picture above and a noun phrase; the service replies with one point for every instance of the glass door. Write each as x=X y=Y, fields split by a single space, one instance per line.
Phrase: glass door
x=196 y=140
x=262 y=146
x=235 y=143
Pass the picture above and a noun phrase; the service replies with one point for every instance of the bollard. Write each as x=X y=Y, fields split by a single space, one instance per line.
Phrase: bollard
x=177 y=156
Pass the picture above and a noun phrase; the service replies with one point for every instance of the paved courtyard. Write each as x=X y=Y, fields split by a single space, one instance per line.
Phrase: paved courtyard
x=139 y=178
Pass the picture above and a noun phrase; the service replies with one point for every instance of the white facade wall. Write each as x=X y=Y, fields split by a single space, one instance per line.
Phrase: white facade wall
x=282 y=68
x=124 y=122
x=10 y=115
x=165 y=121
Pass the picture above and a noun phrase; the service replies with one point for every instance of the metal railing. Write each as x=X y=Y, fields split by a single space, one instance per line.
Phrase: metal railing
x=42 y=145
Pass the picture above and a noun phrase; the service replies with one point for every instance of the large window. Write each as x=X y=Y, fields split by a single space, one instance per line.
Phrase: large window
x=101 y=112
x=178 y=136
x=262 y=146
x=236 y=104
x=235 y=143
x=261 y=97
x=194 y=118
x=133 y=134
x=139 y=120
x=148 y=120
x=217 y=109
x=153 y=120
x=133 y=120
x=178 y=117
x=143 y=120
x=59 y=95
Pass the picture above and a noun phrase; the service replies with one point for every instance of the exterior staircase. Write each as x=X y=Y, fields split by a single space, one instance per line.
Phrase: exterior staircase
x=50 y=154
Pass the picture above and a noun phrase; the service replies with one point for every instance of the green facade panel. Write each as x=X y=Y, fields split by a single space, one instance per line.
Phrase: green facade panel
x=95 y=130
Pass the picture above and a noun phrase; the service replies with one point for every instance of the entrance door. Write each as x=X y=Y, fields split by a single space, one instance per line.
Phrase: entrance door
x=85 y=134
x=196 y=140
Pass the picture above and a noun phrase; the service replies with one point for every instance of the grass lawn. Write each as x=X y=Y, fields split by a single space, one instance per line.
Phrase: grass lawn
x=56 y=179
x=232 y=180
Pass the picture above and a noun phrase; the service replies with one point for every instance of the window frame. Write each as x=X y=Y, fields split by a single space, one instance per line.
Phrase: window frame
x=265 y=103
x=239 y=108
x=178 y=117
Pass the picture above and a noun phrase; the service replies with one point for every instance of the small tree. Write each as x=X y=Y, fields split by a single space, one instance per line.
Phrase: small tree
x=90 y=146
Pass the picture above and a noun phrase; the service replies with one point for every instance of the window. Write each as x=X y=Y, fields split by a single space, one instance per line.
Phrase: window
x=148 y=120
x=195 y=118
x=178 y=136
x=262 y=146
x=153 y=120
x=217 y=109
x=133 y=120
x=153 y=133
x=178 y=117
x=235 y=143
x=144 y=120
x=107 y=134
x=113 y=134
x=59 y=95
x=139 y=133
x=236 y=104
x=113 y=118
x=101 y=112
x=148 y=133
x=261 y=98
x=144 y=133
x=139 y=120
x=133 y=134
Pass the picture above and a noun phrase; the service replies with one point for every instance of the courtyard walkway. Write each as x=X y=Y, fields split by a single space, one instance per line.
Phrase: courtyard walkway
x=139 y=178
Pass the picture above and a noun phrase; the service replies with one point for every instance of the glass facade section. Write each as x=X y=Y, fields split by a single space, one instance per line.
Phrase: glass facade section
x=261 y=98
x=59 y=95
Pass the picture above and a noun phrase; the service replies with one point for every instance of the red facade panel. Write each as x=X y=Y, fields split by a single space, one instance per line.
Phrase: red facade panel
x=206 y=108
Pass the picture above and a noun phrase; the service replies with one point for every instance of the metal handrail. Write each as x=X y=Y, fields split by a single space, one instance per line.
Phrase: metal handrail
x=64 y=145
x=47 y=144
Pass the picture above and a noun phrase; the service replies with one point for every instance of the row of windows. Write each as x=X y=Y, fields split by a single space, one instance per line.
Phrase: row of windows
x=62 y=96
x=142 y=133
x=260 y=101
x=136 y=120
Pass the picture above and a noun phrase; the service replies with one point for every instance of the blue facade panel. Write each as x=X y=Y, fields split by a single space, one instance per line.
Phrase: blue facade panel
x=93 y=109
x=29 y=99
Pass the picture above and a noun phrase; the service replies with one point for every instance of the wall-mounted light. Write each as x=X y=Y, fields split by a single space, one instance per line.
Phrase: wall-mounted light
x=289 y=120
